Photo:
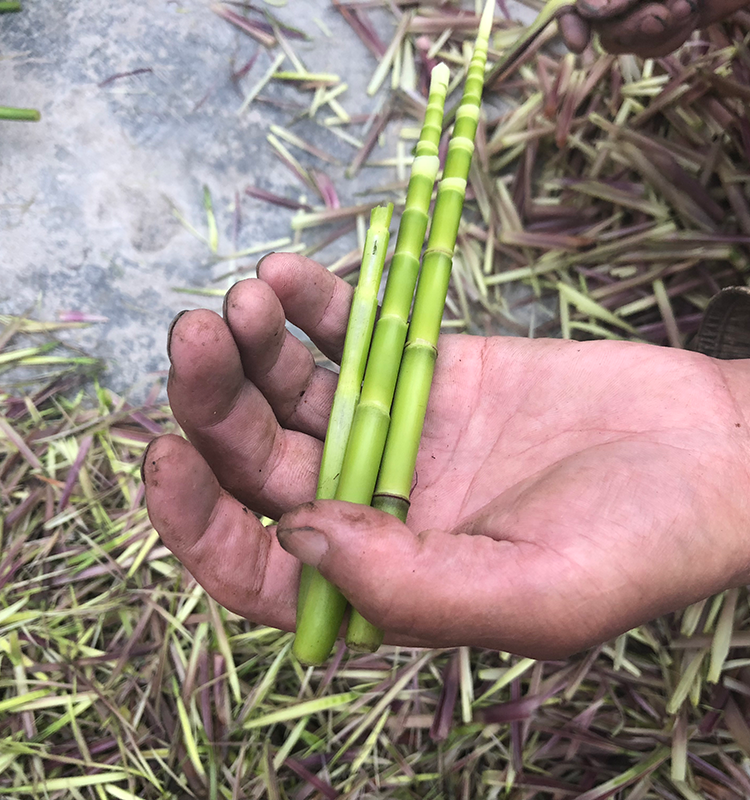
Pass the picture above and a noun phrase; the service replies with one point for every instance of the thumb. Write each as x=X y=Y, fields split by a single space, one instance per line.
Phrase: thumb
x=355 y=547
x=436 y=587
x=575 y=31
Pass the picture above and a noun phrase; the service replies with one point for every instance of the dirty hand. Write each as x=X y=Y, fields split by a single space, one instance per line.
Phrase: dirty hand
x=565 y=492
x=645 y=28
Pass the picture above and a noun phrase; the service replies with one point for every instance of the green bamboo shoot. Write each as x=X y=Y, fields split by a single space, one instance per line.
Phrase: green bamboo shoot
x=418 y=363
x=20 y=114
x=311 y=637
x=367 y=439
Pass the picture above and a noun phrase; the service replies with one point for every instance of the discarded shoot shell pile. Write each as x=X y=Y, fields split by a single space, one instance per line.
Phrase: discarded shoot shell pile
x=120 y=678
x=608 y=196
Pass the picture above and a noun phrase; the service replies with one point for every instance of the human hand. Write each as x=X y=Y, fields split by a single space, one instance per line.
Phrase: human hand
x=647 y=29
x=565 y=491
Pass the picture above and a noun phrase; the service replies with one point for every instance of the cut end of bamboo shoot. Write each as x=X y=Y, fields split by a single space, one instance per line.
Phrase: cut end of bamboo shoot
x=485 y=23
x=362 y=636
x=440 y=76
x=380 y=217
x=20 y=114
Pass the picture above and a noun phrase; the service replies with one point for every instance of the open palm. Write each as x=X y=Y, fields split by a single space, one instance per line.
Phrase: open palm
x=564 y=491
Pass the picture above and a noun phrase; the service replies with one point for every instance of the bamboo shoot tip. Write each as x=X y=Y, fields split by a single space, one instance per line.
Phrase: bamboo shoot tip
x=440 y=74
x=485 y=23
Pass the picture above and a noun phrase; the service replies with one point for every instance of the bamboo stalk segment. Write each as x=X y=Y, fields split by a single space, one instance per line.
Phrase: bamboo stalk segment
x=325 y=601
x=418 y=362
x=321 y=606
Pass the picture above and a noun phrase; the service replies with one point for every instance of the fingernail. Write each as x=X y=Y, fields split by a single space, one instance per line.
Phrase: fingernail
x=257 y=266
x=682 y=9
x=653 y=25
x=306 y=543
x=170 y=331
x=143 y=460
x=225 y=305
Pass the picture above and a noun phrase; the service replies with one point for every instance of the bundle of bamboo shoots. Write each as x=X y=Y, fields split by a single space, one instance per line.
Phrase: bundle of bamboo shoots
x=373 y=435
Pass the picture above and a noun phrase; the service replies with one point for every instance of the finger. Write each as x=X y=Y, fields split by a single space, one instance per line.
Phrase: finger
x=230 y=422
x=575 y=31
x=649 y=31
x=645 y=46
x=603 y=9
x=717 y=10
x=434 y=587
x=683 y=10
x=224 y=546
x=313 y=298
x=283 y=368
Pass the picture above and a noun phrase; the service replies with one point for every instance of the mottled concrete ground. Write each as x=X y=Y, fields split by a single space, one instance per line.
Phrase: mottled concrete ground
x=87 y=194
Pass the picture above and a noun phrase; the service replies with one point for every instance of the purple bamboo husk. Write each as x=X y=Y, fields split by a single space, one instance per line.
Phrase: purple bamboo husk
x=371 y=38
x=362 y=28
x=441 y=722
x=379 y=122
x=332 y=668
x=455 y=19
x=718 y=701
x=709 y=278
x=295 y=168
x=551 y=241
x=262 y=32
x=72 y=750
x=558 y=787
x=146 y=423
x=80 y=316
x=637 y=190
x=562 y=224
x=118 y=75
x=596 y=794
x=140 y=493
x=516 y=732
x=331 y=237
x=14 y=515
x=289 y=30
x=736 y=772
x=99 y=570
x=736 y=198
x=644 y=704
x=594 y=275
x=582 y=722
x=658 y=330
x=638 y=282
x=325 y=188
x=322 y=786
x=277 y=200
x=245 y=68
x=744 y=125
x=75 y=468
x=106 y=658
x=510 y=711
x=205 y=695
x=703 y=766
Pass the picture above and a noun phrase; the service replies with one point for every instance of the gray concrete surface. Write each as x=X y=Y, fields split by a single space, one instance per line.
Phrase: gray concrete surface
x=86 y=195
